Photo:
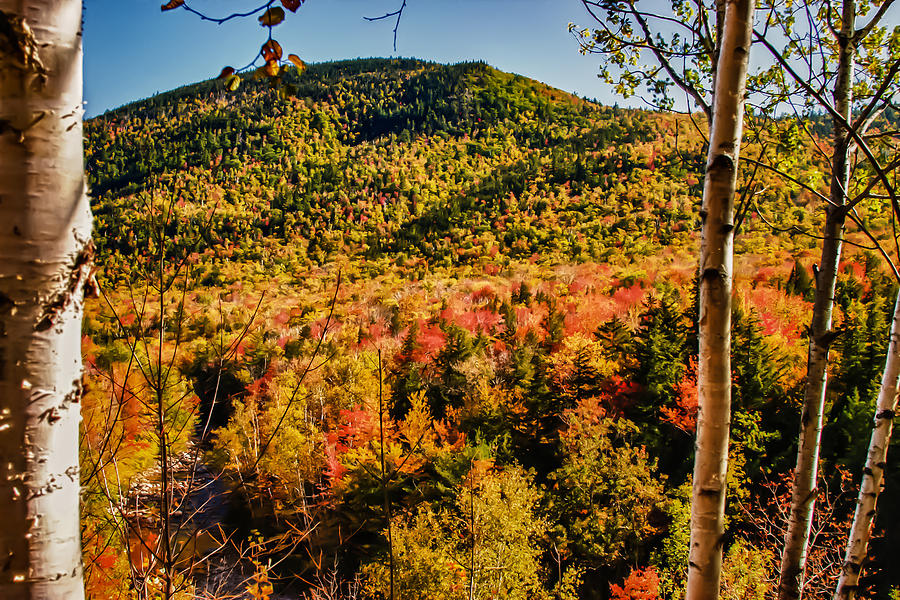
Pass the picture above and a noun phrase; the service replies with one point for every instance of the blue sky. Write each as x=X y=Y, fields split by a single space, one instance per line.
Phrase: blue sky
x=134 y=50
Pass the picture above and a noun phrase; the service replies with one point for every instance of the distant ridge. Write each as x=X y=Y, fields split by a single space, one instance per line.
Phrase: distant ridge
x=388 y=157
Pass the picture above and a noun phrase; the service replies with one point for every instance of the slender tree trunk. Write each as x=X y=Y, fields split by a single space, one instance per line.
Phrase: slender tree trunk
x=45 y=260
x=873 y=472
x=716 y=260
x=803 y=489
x=165 y=471
x=384 y=478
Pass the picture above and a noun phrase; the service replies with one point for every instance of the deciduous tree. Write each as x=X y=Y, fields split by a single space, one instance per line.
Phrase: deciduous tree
x=716 y=261
x=45 y=262
x=859 y=70
x=713 y=49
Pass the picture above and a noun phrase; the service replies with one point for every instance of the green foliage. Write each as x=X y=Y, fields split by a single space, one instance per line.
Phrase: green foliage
x=607 y=489
x=484 y=545
x=744 y=572
x=661 y=350
x=671 y=558
x=378 y=157
x=854 y=390
x=245 y=444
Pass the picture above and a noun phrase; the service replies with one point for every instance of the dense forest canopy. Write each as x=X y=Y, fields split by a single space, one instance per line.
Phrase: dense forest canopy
x=452 y=308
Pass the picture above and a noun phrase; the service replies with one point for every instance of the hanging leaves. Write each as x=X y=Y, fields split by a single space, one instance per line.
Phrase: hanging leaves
x=272 y=17
x=232 y=83
x=272 y=68
x=298 y=62
x=271 y=50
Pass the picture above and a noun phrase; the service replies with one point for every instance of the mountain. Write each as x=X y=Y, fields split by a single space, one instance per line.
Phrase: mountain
x=386 y=157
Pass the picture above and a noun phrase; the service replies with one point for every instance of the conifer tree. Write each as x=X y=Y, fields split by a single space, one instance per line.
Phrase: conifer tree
x=873 y=472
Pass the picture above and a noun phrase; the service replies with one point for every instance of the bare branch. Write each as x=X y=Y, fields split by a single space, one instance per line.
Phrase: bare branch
x=220 y=20
x=397 y=13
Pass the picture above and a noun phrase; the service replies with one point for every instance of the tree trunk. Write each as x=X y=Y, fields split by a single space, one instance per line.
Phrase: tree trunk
x=45 y=261
x=716 y=260
x=873 y=472
x=803 y=489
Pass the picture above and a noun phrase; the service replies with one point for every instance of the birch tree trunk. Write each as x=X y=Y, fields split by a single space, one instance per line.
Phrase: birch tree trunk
x=716 y=261
x=806 y=471
x=45 y=260
x=873 y=472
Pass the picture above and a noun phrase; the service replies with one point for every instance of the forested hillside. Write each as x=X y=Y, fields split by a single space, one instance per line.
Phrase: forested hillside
x=432 y=328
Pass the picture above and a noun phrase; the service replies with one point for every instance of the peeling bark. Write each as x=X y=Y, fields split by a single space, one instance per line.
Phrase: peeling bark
x=45 y=261
x=873 y=472
x=806 y=471
x=716 y=274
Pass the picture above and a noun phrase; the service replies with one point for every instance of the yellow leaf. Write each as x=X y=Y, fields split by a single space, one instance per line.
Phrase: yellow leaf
x=272 y=17
x=272 y=68
x=301 y=66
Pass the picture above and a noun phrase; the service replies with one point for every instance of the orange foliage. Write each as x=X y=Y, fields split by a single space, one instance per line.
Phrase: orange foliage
x=641 y=584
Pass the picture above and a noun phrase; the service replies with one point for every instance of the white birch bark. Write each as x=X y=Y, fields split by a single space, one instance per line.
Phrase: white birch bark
x=716 y=275
x=804 y=486
x=873 y=472
x=45 y=260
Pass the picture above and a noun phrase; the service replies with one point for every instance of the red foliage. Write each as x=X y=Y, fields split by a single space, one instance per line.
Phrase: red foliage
x=106 y=560
x=625 y=298
x=375 y=332
x=334 y=469
x=430 y=340
x=618 y=394
x=357 y=428
x=529 y=319
x=141 y=546
x=88 y=352
x=318 y=328
x=641 y=584
x=261 y=386
x=483 y=294
x=853 y=268
x=615 y=397
x=684 y=414
x=764 y=274
x=281 y=319
x=481 y=320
